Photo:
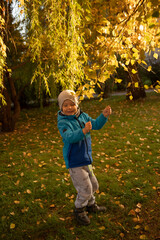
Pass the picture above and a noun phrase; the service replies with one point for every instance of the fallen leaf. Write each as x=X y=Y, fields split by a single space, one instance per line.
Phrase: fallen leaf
x=24 y=209
x=137 y=210
x=102 y=228
x=52 y=205
x=12 y=226
x=62 y=219
x=143 y=237
x=12 y=213
x=28 y=191
x=137 y=227
x=139 y=205
x=122 y=235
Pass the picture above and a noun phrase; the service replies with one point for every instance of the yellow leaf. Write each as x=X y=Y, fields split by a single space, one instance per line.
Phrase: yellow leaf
x=155 y=55
x=157 y=86
x=149 y=69
x=52 y=206
x=16 y=202
x=127 y=62
x=81 y=98
x=137 y=227
x=137 y=210
x=28 y=191
x=22 y=2
x=135 y=50
x=144 y=62
x=136 y=84
x=128 y=41
x=134 y=71
x=12 y=226
x=157 y=91
x=91 y=91
x=139 y=205
x=122 y=235
x=132 y=62
x=17 y=183
x=102 y=228
x=131 y=97
x=146 y=86
x=25 y=209
x=129 y=84
x=12 y=213
x=118 y=80
x=143 y=237
x=40 y=204
x=102 y=193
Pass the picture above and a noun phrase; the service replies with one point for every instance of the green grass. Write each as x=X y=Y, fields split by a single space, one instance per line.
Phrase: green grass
x=37 y=196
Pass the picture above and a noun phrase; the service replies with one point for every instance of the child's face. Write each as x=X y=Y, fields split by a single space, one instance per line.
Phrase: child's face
x=69 y=108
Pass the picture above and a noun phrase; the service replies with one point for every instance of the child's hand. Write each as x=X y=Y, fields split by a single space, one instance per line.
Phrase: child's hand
x=107 y=111
x=87 y=128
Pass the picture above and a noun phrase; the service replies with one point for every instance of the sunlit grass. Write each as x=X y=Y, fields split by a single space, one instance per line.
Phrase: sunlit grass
x=37 y=196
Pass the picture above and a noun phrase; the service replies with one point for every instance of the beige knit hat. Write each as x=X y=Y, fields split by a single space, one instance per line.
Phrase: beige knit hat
x=67 y=95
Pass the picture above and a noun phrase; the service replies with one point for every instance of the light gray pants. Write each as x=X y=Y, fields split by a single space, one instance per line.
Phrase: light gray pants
x=86 y=185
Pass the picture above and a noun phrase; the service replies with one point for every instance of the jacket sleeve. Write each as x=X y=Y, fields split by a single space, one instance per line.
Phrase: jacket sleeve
x=68 y=134
x=99 y=122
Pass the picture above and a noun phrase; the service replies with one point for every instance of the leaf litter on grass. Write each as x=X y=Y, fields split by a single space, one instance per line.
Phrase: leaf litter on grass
x=126 y=159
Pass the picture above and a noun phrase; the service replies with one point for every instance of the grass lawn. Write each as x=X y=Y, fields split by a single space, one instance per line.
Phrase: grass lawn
x=37 y=195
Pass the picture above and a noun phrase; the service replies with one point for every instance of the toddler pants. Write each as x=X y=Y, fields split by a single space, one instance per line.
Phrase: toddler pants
x=86 y=185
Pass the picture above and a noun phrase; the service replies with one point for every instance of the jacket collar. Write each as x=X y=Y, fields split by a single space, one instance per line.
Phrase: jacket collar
x=78 y=113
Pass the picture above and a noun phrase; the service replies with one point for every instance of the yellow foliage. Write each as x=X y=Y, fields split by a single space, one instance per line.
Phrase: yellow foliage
x=155 y=55
x=131 y=97
x=149 y=68
x=134 y=71
x=144 y=62
x=132 y=62
x=129 y=84
x=136 y=85
x=146 y=87
x=118 y=80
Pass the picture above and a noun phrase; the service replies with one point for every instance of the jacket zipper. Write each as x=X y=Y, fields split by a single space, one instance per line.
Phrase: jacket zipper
x=84 y=139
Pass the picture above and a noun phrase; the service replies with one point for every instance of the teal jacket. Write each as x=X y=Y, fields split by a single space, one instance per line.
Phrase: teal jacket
x=77 y=149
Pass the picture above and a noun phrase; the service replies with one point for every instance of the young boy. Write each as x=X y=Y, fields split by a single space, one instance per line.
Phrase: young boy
x=75 y=126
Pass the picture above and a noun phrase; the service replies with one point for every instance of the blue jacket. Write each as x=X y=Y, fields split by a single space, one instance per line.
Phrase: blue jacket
x=77 y=149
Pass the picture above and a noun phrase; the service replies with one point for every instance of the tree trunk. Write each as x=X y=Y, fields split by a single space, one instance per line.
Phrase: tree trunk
x=135 y=88
x=9 y=117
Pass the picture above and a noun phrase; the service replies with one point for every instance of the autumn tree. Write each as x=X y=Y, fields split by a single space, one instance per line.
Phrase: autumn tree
x=12 y=87
x=56 y=43
x=2 y=50
x=126 y=31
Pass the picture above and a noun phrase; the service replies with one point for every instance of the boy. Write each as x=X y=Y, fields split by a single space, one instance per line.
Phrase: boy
x=74 y=127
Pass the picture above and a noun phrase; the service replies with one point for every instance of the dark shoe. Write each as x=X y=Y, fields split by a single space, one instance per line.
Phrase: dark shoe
x=95 y=208
x=81 y=216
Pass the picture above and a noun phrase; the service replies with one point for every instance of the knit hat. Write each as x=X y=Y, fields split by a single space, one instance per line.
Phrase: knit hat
x=67 y=95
